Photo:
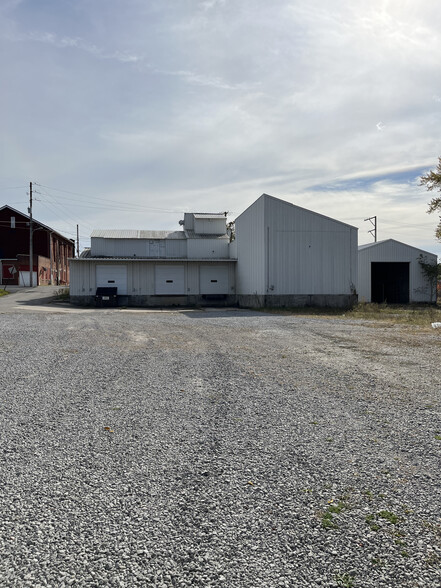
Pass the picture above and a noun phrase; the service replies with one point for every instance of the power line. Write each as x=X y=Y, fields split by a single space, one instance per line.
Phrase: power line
x=126 y=206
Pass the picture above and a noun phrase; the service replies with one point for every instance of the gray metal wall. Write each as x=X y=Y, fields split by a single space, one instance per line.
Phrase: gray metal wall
x=208 y=248
x=141 y=276
x=209 y=226
x=394 y=251
x=173 y=248
x=249 y=246
x=286 y=250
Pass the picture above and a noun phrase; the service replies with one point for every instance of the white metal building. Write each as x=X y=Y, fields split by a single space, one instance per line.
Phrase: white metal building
x=389 y=271
x=290 y=256
x=282 y=255
x=151 y=268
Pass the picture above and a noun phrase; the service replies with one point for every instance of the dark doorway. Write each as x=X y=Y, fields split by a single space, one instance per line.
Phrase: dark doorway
x=390 y=282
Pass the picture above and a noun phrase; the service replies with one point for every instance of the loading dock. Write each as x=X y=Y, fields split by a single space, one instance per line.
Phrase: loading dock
x=109 y=275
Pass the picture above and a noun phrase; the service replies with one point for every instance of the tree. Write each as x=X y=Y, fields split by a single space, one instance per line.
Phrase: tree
x=432 y=181
x=432 y=273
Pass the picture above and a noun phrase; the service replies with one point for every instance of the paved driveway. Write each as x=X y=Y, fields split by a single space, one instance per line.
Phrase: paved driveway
x=18 y=298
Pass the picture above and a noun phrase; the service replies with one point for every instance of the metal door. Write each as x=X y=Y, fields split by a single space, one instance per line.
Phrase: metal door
x=112 y=275
x=213 y=279
x=169 y=279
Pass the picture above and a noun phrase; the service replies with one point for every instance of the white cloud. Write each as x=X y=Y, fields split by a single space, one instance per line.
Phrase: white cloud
x=210 y=103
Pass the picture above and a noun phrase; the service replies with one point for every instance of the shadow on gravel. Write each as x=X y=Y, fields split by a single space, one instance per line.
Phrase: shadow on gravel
x=222 y=313
x=30 y=296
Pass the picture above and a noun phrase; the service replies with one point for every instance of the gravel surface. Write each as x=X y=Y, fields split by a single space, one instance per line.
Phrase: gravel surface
x=218 y=449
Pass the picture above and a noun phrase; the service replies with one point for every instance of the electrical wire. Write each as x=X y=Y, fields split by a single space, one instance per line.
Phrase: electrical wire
x=122 y=206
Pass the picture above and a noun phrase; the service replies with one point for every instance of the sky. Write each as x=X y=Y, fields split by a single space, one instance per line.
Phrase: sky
x=126 y=113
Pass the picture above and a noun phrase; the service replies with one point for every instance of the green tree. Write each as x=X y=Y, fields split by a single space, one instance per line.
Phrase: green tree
x=432 y=181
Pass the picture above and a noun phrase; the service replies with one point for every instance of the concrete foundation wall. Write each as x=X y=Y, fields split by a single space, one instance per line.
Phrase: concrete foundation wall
x=161 y=301
x=292 y=300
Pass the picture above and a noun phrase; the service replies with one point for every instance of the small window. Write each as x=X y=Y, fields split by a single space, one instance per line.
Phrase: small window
x=12 y=222
x=169 y=281
x=214 y=281
x=110 y=281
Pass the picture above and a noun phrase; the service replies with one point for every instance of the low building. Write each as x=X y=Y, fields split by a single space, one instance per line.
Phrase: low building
x=282 y=255
x=390 y=271
x=290 y=256
x=159 y=268
x=51 y=251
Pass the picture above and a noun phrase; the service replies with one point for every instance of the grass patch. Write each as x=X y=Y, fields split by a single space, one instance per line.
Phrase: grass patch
x=3 y=293
x=388 y=516
x=333 y=509
x=345 y=580
x=404 y=314
x=62 y=294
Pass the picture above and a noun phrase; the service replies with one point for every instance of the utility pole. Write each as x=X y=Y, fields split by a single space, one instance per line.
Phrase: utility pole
x=31 y=248
x=373 y=232
x=78 y=241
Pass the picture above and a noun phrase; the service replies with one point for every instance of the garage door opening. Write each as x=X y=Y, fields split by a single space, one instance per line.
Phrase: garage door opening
x=390 y=282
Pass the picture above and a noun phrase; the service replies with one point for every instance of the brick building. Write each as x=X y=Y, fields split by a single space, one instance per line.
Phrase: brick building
x=50 y=251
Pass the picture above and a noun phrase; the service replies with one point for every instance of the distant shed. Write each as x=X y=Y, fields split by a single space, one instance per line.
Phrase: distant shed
x=389 y=271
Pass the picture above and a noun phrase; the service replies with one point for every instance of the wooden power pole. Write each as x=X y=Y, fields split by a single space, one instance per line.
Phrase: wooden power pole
x=31 y=247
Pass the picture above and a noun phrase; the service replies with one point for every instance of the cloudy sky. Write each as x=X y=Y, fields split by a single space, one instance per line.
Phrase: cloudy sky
x=125 y=113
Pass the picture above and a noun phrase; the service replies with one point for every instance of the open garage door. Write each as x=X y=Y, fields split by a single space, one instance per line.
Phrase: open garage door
x=214 y=279
x=169 y=280
x=108 y=275
x=390 y=282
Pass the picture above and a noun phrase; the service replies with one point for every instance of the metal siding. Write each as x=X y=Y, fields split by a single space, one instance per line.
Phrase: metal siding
x=188 y=220
x=304 y=252
x=207 y=226
x=250 y=249
x=154 y=248
x=394 y=251
x=118 y=247
x=110 y=274
x=176 y=248
x=193 y=278
x=170 y=279
x=214 y=279
x=207 y=248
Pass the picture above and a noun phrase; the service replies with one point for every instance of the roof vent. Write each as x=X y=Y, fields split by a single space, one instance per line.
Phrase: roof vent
x=181 y=222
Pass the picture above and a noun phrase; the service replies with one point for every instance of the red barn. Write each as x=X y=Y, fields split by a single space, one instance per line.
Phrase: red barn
x=50 y=251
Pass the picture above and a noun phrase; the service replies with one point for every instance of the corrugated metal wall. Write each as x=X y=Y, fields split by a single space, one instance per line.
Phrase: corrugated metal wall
x=207 y=249
x=283 y=249
x=141 y=276
x=170 y=248
x=209 y=226
x=175 y=248
x=250 y=249
x=394 y=251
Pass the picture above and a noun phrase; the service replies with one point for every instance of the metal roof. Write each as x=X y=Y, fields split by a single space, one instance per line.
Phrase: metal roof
x=135 y=234
x=375 y=243
x=207 y=215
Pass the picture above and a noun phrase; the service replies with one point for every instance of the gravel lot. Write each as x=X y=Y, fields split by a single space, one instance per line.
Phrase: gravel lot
x=218 y=449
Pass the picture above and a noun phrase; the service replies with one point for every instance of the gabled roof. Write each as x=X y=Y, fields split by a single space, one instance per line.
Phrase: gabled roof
x=273 y=198
x=6 y=206
x=384 y=241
